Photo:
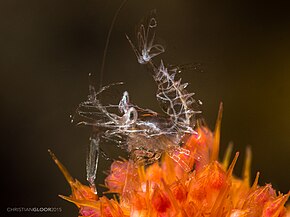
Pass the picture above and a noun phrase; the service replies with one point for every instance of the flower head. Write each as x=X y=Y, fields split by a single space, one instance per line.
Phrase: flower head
x=166 y=189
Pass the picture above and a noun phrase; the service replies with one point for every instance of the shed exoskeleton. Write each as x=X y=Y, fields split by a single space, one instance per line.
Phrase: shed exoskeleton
x=143 y=133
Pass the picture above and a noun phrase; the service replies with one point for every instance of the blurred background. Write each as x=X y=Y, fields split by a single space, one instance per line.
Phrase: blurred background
x=48 y=48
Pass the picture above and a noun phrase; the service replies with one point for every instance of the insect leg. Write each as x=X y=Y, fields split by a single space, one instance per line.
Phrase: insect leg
x=105 y=156
x=92 y=160
x=176 y=155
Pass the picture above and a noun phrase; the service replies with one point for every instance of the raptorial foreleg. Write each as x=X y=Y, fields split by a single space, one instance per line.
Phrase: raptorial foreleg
x=92 y=160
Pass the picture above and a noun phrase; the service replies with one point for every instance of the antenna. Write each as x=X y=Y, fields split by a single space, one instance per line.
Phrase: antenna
x=94 y=146
x=108 y=40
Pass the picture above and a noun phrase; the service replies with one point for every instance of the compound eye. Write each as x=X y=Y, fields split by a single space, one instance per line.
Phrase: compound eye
x=132 y=116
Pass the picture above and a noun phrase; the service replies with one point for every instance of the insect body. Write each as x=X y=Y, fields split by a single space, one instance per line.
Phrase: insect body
x=145 y=134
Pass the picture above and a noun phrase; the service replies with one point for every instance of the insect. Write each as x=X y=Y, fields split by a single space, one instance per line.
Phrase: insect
x=143 y=133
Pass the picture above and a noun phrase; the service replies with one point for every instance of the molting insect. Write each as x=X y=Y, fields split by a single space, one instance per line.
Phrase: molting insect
x=143 y=133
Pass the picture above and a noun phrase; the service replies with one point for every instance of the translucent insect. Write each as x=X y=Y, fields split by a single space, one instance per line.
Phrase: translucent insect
x=143 y=133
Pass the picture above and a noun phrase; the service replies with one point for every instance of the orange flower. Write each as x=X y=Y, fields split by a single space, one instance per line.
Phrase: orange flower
x=164 y=189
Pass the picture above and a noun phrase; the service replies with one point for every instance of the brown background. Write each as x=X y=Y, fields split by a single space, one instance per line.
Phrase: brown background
x=48 y=48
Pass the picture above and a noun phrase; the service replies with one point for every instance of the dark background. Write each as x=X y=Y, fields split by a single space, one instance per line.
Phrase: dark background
x=48 y=47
